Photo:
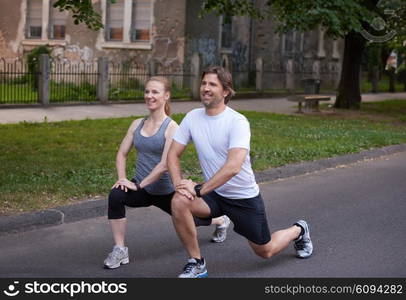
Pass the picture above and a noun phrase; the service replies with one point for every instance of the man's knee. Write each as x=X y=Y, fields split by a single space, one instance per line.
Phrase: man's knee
x=263 y=251
x=265 y=254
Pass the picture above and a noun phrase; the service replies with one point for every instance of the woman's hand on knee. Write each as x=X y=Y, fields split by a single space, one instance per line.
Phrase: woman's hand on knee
x=124 y=184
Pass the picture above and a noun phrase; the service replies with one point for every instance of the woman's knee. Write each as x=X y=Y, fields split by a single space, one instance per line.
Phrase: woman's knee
x=179 y=203
x=116 y=198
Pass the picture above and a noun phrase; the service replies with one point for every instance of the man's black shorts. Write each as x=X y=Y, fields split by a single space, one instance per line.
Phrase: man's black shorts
x=248 y=215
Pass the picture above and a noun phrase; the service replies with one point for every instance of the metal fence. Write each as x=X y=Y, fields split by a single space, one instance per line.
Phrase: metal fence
x=17 y=83
x=127 y=80
x=62 y=81
x=68 y=82
x=73 y=81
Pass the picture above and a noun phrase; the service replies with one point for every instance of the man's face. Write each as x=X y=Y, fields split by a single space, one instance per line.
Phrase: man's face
x=212 y=92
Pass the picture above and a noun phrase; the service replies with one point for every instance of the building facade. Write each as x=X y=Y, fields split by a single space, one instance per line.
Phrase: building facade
x=168 y=32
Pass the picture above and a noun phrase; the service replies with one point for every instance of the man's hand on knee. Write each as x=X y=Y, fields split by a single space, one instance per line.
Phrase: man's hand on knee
x=185 y=193
x=188 y=185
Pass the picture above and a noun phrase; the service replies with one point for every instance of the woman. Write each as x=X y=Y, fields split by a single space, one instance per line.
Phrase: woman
x=151 y=185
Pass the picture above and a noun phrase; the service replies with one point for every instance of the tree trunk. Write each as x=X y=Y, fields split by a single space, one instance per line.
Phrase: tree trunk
x=375 y=79
x=349 y=94
x=392 y=75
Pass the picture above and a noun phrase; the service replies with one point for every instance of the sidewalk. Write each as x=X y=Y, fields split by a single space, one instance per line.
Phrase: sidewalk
x=99 y=111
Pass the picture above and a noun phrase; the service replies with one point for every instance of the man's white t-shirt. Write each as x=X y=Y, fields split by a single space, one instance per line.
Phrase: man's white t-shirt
x=213 y=137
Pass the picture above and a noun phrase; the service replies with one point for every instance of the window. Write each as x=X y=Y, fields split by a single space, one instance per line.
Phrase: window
x=44 y=23
x=115 y=17
x=141 y=20
x=226 y=32
x=34 y=19
x=57 y=22
x=128 y=21
x=289 y=42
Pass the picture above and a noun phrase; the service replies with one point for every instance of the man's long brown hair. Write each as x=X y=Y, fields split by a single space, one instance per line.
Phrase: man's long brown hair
x=225 y=78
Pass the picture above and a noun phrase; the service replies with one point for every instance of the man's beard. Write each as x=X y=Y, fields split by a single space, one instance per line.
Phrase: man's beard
x=212 y=103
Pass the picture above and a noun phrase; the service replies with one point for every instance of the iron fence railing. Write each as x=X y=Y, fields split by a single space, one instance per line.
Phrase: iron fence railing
x=126 y=80
x=17 y=83
x=73 y=81
x=62 y=81
x=69 y=82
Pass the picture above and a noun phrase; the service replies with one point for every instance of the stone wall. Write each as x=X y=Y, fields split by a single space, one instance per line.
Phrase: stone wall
x=83 y=44
x=9 y=36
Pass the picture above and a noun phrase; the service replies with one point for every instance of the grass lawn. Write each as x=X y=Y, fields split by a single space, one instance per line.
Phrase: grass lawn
x=391 y=108
x=49 y=164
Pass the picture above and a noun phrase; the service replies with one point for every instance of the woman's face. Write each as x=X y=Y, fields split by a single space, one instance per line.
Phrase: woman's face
x=155 y=95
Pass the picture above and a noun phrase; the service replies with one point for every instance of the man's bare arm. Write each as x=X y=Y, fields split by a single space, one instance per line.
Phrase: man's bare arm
x=232 y=166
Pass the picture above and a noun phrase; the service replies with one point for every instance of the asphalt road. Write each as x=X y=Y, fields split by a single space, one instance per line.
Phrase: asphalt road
x=357 y=215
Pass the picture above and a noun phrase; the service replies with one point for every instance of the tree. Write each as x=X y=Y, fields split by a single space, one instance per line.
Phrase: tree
x=345 y=19
x=82 y=12
x=374 y=64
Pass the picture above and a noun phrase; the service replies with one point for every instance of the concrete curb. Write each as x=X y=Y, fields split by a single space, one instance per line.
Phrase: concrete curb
x=98 y=207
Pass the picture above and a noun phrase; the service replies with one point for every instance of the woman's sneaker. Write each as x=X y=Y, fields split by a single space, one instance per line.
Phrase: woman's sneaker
x=116 y=258
x=303 y=245
x=194 y=269
x=220 y=233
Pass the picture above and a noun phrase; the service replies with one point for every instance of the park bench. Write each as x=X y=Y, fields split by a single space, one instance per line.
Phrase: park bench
x=311 y=101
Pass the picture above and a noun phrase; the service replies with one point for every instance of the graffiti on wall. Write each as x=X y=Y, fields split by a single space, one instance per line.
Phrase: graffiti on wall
x=207 y=48
x=73 y=53
x=239 y=55
x=167 y=51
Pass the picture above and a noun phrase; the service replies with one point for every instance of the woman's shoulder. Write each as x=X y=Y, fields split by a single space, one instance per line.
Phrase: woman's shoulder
x=172 y=123
x=171 y=129
x=135 y=124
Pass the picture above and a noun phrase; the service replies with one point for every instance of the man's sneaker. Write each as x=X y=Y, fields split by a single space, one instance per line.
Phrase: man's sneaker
x=119 y=256
x=193 y=269
x=220 y=233
x=303 y=244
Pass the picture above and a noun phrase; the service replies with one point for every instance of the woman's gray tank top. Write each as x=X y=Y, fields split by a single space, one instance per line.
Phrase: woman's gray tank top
x=149 y=154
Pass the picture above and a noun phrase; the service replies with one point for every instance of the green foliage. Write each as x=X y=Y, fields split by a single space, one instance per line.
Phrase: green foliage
x=397 y=19
x=65 y=92
x=33 y=57
x=338 y=17
x=401 y=74
x=33 y=63
x=373 y=55
x=82 y=12
x=383 y=85
x=231 y=8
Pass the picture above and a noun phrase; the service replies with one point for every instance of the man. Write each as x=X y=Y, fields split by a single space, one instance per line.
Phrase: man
x=222 y=140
